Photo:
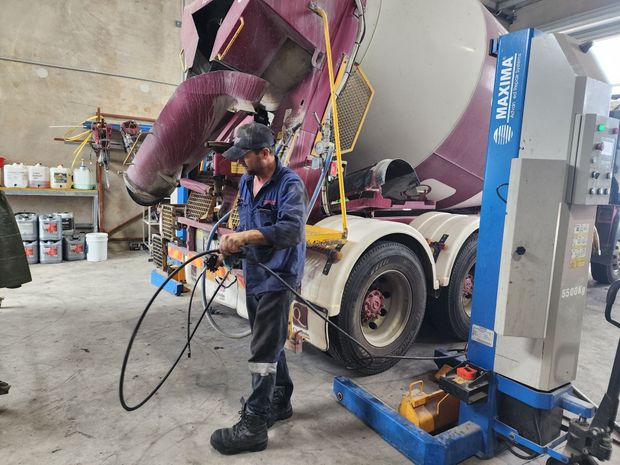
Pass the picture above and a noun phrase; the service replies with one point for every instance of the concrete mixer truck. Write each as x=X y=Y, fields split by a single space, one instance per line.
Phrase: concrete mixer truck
x=391 y=148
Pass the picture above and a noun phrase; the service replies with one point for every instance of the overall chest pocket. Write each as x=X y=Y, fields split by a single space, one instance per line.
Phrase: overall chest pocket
x=265 y=215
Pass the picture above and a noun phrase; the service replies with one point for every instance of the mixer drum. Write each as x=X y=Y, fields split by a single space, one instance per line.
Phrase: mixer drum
x=433 y=78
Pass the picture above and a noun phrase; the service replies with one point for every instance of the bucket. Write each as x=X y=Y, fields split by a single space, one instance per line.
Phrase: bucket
x=73 y=248
x=50 y=227
x=39 y=176
x=96 y=247
x=50 y=251
x=68 y=225
x=27 y=224
x=32 y=251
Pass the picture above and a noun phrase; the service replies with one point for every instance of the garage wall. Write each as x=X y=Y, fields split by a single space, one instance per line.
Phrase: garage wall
x=60 y=60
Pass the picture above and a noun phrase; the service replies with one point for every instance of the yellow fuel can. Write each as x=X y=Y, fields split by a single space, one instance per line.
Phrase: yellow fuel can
x=428 y=411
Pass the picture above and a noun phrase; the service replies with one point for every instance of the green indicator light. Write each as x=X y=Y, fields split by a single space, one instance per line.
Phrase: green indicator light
x=600 y=128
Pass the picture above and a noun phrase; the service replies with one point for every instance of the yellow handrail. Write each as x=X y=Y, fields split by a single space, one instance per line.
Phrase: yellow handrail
x=221 y=56
x=332 y=87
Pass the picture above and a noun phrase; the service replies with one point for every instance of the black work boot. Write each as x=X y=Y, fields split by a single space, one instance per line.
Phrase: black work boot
x=249 y=434
x=281 y=407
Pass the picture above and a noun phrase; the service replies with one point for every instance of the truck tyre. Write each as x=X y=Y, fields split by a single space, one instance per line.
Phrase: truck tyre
x=609 y=272
x=382 y=307
x=451 y=313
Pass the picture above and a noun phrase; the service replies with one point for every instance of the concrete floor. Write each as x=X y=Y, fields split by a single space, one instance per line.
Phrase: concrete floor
x=62 y=340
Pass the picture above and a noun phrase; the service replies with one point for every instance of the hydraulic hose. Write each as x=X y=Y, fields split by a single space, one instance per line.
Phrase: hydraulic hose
x=319 y=184
x=209 y=315
x=121 y=391
x=318 y=313
x=370 y=359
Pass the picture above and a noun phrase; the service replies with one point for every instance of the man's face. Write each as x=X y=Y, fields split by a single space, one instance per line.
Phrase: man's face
x=254 y=161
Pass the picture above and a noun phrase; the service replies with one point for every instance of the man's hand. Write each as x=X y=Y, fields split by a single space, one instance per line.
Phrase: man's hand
x=232 y=243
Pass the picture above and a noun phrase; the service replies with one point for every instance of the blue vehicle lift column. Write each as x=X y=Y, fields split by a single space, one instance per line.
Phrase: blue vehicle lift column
x=475 y=433
x=480 y=422
x=513 y=54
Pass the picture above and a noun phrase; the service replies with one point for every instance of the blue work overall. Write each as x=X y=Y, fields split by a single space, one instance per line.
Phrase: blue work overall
x=278 y=211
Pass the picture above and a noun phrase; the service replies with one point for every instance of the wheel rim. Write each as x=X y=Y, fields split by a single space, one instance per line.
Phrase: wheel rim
x=386 y=308
x=467 y=291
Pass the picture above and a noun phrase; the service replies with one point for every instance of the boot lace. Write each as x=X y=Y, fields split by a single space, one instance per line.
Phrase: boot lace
x=242 y=424
x=279 y=397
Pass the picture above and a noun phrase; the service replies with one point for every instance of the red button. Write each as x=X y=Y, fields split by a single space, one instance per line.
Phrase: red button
x=468 y=373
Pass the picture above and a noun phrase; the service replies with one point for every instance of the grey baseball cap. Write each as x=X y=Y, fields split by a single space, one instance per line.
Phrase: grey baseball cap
x=253 y=136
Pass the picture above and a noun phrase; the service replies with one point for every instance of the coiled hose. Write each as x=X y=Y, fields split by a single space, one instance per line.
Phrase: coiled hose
x=206 y=311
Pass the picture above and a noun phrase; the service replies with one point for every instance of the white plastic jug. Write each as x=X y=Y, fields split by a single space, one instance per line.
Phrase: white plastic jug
x=60 y=177
x=39 y=176
x=16 y=175
x=83 y=178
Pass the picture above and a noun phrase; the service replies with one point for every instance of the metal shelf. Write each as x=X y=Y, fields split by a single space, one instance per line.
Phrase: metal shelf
x=49 y=192
x=32 y=192
x=147 y=228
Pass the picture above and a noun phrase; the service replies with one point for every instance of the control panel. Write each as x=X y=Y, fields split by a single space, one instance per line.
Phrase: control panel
x=595 y=139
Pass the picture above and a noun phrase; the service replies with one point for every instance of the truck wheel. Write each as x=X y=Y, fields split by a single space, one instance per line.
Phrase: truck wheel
x=451 y=313
x=382 y=308
x=610 y=272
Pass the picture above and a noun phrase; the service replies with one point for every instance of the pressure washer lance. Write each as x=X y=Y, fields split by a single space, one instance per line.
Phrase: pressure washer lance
x=231 y=262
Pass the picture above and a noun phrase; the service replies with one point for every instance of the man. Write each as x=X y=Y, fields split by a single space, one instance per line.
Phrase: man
x=272 y=210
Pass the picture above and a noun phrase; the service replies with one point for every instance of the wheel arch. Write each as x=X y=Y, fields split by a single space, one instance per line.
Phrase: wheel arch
x=326 y=291
x=426 y=259
x=458 y=228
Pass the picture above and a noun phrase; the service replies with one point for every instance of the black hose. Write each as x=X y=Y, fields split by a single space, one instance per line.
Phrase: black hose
x=137 y=327
x=347 y=335
x=510 y=448
x=522 y=456
x=189 y=313
x=371 y=358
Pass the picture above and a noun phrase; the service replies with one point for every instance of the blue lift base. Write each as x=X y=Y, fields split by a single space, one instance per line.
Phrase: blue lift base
x=448 y=448
x=562 y=397
x=462 y=441
x=173 y=287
